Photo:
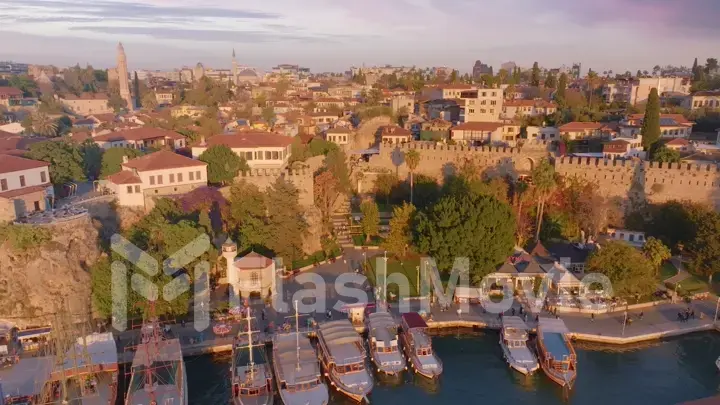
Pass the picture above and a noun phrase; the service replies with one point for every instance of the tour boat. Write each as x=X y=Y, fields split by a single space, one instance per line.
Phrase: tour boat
x=418 y=346
x=252 y=382
x=158 y=371
x=513 y=340
x=555 y=352
x=383 y=342
x=342 y=354
x=297 y=371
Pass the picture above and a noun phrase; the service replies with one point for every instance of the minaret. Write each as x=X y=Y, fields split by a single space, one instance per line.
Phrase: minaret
x=123 y=77
x=234 y=69
x=229 y=252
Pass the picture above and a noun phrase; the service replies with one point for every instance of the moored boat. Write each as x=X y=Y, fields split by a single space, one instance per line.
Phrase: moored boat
x=513 y=341
x=383 y=343
x=418 y=346
x=252 y=382
x=555 y=352
x=342 y=354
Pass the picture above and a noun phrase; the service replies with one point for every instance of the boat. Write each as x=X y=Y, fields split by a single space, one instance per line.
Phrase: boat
x=555 y=352
x=383 y=343
x=158 y=371
x=513 y=340
x=297 y=371
x=343 y=356
x=717 y=363
x=418 y=346
x=252 y=382
x=27 y=382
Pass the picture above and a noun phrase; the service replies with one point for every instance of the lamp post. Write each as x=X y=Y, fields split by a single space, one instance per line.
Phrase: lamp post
x=385 y=279
x=417 y=286
x=624 y=323
x=716 y=310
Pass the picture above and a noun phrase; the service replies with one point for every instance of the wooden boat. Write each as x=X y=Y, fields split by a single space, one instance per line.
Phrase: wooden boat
x=418 y=346
x=252 y=382
x=383 y=343
x=342 y=355
x=297 y=371
x=555 y=352
x=513 y=341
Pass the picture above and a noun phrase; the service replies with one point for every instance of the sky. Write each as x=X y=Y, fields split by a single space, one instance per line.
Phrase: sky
x=332 y=35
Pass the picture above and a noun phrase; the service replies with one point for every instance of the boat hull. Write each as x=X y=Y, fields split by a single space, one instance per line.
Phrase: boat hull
x=416 y=365
x=563 y=380
x=391 y=370
x=522 y=368
x=254 y=400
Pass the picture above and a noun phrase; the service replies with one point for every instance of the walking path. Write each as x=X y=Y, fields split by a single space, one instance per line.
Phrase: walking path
x=681 y=275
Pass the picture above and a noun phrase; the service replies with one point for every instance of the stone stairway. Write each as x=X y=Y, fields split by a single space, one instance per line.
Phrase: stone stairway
x=340 y=224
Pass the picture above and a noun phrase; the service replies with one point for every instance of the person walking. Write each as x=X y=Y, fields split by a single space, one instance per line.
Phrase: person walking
x=592 y=317
x=512 y=311
x=641 y=315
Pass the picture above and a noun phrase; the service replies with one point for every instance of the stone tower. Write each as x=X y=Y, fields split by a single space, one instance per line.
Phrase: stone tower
x=234 y=70
x=229 y=252
x=123 y=77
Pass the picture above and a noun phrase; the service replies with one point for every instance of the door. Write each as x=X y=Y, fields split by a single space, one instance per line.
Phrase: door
x=37 y=205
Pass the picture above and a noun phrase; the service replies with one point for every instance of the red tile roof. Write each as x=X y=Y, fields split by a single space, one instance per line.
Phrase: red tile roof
x=678 y=142
x=109 y=117
x=86 y=96
x=10 y=91
x=477 y=126
x=581 y=126
x=338 y=130
x=252 y=260
x=250 y=140
x=394 y=130
x=23 y=191
x=124 y=177
x=9 y=164
x=139 y=134
x=161 y=160
x=678 y=118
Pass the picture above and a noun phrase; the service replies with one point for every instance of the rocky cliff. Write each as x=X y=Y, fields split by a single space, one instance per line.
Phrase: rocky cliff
x=35 y=281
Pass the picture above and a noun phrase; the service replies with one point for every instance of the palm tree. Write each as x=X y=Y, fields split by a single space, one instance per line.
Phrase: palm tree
x=543 y=177
x=412 y=159
x=521 y=188
x=591 y=79
x=44 y=125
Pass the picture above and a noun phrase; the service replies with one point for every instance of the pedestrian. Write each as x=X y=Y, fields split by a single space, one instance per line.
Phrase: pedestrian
x=641 y=315
x=262 y=314
x=592 y=317
x=692 y=314
x=459 y=312
x=537 y=318
x=512 y=310
x=521 y=310
x=500 y=315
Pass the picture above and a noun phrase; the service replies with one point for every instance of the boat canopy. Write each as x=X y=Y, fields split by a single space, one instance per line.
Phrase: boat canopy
x=413 y=320
x=552 y=325
x=337 y=336
x=100 y=347
x=27 y=377
x=295 y=365
x=382 y=329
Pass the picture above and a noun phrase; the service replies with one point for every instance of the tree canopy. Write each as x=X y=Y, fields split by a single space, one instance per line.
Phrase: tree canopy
x=629 y=271
x=66 y=161
x=112 y=160
x=666 y=155
x=650 y=130
x=370 y=222
x=400 y=235
x=223 y=164
x=286 y=225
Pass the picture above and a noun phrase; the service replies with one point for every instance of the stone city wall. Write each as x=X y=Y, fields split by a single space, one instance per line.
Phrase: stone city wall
x=301 y=178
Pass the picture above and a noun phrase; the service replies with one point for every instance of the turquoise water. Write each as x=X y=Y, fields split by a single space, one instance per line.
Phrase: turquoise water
x=661 y=373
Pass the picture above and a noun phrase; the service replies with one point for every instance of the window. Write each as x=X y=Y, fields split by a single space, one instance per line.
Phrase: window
x=192 y=177
x=472 y=111
x=493 y=102
x=43 y=177
x=254 y=279
x=197 y=175
x=160 y=179
x=172 y=178
x=137 y=189
x=129 y=189
x=22 y=181
x=484 y=94
x=179 y=176
x=268 y=155
x=275 y=155
x=248 y=156
x=152 y=180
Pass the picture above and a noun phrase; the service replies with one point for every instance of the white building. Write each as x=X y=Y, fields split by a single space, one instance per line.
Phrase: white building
x=157 y=174
x=141 y=138
x=260 y=149
x=24 y=187
x=252 y=274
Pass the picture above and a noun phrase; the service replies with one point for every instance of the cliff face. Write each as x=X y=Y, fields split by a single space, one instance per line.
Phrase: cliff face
x=35 y=282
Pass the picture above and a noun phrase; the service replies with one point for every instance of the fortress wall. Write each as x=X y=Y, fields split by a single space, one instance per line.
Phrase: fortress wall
x=300 y=178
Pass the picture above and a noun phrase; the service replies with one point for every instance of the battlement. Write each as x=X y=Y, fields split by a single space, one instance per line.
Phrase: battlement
x=688 y=167
x=631 y=164
x=433 y=146
x=590 y=161
x=270 y=172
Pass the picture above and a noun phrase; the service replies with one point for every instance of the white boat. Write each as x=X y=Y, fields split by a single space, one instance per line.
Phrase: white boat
x=717 y=363
x=383 y=342
x=342 y=354
x=418 y=346
x=252 y=382
x=513 y=340
x=297 y=371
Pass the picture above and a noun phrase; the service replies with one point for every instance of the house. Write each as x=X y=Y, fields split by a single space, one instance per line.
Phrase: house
x=678 y=144
x=403 y=102
x=393 y=134
x=329 y=102
x=703 y=99
x=671 y=126
x=581 y=130
x=252 y=274
x=542 y=133
x=141 y=138
x=519 y=271
x=323 y=117
x=87 y=103
x=482 y=105
x=156 y=174
x=164 y=97
x=528 y=108
x=474 y=133
x=103 y=119
x=445 y=109
x=571 y=256
x=338 y=135
x=191 y=111
x=10 y=96
x=260 y=149
x=622 y=148
x=634 y=238
x=24 y=187
x=640 y=88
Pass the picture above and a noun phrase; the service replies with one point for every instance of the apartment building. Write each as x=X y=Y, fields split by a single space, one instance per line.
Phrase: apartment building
x=640 y=90
x=261 y=150
x=478 y=133
x=399 y=102
x=157 y=174
x=703 y=99
x=528 y=108
x=671 y=126
x=482 y=105
x=24 y=187
x=141 y=138
x=445 y=91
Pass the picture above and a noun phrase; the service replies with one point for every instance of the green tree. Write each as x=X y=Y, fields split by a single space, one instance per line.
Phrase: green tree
x=628 y=270
x=543 y=177
x=43 y=125
x=246 y=219
x=551 y=81
x=412 y=159
x=136 y=91
x=327 y=190
x=655 y=251
x=454 y=76
x=650 y=130
x=697 y=71
x=286 y=225
x=112 y=160
x=92 y=156
x=64 y=125
x=666 y=155
x=268 y=115
x=384 y=184
x=101 y=287
x=370 y=222
x=400 y=235
x=535 y=75
x=116 y=102
x=223 y=164
x=66 y=161
x=149 y=101
x=560 y=92
x=466 y=225
x=336 y=162
x=704 y=249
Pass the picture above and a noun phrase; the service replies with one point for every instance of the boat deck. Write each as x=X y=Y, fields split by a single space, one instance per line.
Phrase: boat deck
x=295 y=365
x=342 y=341
x=555 y=345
